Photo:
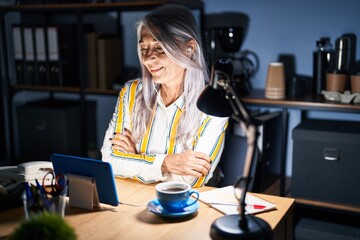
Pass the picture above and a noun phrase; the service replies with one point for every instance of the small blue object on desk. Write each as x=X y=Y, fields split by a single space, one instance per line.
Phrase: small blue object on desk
x=100 y=171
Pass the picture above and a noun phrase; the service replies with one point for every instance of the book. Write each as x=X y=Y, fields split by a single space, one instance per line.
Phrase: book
x=224 y=200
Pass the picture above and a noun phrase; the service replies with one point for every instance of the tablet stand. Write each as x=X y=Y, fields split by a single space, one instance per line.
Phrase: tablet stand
x=83 y=192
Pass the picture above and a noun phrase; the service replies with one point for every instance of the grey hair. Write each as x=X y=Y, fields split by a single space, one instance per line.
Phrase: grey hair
x=173 y=27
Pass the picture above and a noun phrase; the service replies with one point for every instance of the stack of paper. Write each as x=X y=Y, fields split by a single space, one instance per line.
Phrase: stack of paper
x=224 y=200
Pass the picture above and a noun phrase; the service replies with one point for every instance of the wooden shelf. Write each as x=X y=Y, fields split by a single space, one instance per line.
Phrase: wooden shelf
x=257 y=97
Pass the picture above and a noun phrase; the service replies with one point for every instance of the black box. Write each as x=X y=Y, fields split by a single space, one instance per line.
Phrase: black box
x=54 y=126
x=326 y=161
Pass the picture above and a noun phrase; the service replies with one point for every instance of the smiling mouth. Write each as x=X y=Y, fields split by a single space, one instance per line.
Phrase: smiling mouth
x=153 y=70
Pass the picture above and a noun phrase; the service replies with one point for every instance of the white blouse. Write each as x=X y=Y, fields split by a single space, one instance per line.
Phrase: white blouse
x=160 y=140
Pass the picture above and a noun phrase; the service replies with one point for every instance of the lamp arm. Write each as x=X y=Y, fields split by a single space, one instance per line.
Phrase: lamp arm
x=250 y=129
x=236 y=105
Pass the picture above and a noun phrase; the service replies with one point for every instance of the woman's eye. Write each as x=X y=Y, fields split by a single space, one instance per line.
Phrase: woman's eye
x=143 y=51
x=159 y=50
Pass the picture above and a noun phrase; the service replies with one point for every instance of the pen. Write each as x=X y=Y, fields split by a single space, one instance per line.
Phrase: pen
x=256 y=206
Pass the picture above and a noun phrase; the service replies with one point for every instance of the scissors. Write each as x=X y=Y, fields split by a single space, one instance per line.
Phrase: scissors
x=55 y=182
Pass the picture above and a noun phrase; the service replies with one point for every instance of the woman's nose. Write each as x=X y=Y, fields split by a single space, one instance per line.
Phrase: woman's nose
x=150 y=55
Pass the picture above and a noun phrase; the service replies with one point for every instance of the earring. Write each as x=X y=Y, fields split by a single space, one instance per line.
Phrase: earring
x=189 y=49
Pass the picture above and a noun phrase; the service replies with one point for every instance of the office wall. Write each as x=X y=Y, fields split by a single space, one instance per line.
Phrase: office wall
x=292 y=27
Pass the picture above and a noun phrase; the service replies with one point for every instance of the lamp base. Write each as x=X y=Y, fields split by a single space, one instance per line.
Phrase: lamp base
x=227 y=227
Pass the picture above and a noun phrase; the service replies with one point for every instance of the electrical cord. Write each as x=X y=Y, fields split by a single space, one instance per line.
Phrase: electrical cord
x=248 y=63
x=132 y=205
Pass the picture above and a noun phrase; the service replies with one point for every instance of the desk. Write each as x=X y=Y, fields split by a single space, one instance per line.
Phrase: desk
x=307 y=103
x=127 y=222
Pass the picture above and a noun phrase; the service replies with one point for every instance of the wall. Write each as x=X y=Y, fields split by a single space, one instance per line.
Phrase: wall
x=292 y=27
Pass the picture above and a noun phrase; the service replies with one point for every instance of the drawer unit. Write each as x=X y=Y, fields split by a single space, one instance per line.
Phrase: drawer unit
x=326 y=161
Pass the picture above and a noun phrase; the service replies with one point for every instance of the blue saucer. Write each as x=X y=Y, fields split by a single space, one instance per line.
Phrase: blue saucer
x=155 y=207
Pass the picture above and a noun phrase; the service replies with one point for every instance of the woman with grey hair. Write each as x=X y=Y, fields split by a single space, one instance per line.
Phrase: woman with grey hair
x=156 y=132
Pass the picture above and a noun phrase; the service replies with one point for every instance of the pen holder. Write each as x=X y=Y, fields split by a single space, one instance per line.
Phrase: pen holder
x=36 y=201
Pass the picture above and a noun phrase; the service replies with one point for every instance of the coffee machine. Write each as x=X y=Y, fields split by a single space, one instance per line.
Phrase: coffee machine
x=224 y=35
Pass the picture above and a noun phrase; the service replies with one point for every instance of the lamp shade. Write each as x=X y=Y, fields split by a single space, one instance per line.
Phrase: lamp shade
x=213 y=102
x=213 y=99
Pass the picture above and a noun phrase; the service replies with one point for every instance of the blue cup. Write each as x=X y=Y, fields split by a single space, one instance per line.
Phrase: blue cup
x=175 y=196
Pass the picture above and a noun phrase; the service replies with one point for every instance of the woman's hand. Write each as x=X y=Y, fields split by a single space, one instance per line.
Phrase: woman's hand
x=124 y=142
x=188 y=163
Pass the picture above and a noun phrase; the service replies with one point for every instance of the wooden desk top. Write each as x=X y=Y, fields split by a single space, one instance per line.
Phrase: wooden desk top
x=128 y=222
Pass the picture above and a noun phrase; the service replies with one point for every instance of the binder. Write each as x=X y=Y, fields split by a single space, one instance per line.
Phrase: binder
x=29 y=55
x=18 y=54
x=109 y=60
x=69 y=54
x=41 y=62
x=63 y=51
x=54 y=66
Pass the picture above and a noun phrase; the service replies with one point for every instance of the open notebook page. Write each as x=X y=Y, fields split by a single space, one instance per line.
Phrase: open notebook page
x=224 y=200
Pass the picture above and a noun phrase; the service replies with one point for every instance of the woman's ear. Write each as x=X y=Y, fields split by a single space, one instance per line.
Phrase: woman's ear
x=190 y=47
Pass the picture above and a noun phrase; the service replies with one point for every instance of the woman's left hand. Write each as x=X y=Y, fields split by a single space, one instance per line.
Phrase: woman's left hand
x=124 y=142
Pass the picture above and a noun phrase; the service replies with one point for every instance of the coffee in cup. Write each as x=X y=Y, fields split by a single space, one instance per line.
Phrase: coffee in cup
x=174 y=196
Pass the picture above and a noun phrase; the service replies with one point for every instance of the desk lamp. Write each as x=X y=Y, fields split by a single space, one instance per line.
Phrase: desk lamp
x=220 y=99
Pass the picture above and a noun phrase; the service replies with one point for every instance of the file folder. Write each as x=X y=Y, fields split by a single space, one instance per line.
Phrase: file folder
x=40 y=50
x=29 y=55
x=18 y=54
x=55 y=71
x=63 y=55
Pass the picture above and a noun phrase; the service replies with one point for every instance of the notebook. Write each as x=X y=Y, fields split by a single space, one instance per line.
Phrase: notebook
x=224 y=200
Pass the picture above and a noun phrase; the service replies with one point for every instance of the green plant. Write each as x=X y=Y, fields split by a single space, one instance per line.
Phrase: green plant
x=44 y=226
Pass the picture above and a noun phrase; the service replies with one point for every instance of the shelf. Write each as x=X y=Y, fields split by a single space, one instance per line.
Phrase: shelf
x=333 y=206
x=257 y=97
x=274 y=190
x=48 y=10
x=65 y=89
x=96 y=7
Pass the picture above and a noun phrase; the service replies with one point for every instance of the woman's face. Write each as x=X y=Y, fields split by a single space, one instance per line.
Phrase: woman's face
x=163 y=70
